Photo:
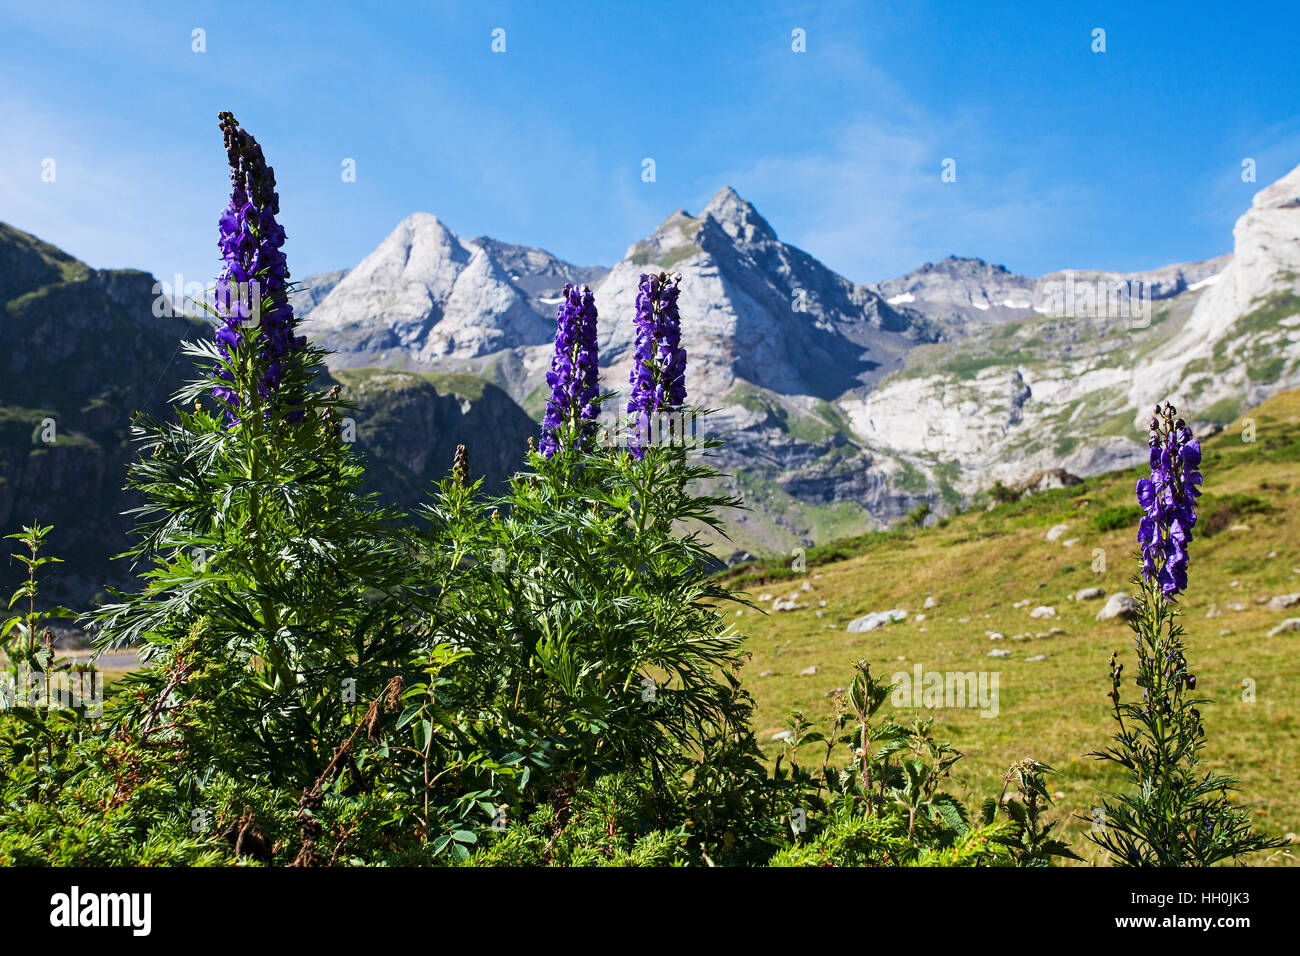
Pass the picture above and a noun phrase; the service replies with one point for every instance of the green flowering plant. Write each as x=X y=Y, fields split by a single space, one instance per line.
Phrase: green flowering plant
x=1174 y=815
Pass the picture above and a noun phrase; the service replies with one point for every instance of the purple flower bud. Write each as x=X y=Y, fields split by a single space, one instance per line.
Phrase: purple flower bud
x=254 y=283
x=1168 y=499
x=658 y=377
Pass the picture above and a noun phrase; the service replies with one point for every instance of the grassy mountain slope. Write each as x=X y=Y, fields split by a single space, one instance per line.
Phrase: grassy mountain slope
x=409 y=424
x=977 y=565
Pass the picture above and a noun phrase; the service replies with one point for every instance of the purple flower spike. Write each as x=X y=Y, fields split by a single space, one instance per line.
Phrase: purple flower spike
x=658 y=376
x=252 y=293
x=574 y=377
x=1168 y=500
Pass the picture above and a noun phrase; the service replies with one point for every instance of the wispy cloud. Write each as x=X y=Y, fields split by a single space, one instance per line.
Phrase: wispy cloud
x=872 y=203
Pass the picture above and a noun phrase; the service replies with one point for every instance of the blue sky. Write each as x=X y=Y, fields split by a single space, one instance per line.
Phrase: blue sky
x=1065 y=158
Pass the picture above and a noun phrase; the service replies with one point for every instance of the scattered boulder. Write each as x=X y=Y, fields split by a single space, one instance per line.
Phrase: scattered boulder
x=999 y=652
x=787 y=604
x=809 y=671
x=1069 y=542
x=869 y=622
x=766 y=673
x=782 y=735
x=1090 y=594
x=1120 y=605
x=1283 y=601
x=1290 y=624
x=994 y=635
x=1043 y=611
x=1048 y=480
x=1055 y=531
x=931 y=602
x=1037 y=657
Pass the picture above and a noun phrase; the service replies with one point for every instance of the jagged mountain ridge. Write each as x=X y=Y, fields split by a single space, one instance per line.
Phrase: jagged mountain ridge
x=1045 y=391
x=425 y=298
x=966 y=295
x=845 y=404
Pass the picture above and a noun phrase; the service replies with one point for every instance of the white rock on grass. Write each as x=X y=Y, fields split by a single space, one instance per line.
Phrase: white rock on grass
x=1069 y=542
x=930 y=602
x=994 y=635
x=869 y=622
x=782 y=735
x=1090 y=594
x=1024 y=603
x=1037 y=657
x=1290 y=624
x=1043 y=611
x=1120 y=605
x=999 y=652
x=809 y=671
x=1056 y=531
x=1283 y=601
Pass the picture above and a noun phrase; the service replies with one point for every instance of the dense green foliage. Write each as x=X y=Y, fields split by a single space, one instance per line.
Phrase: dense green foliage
x=1175 y=814
x=546 y=677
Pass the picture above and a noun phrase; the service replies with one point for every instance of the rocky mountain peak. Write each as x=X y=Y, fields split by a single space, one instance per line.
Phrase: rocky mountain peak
x=1283 y=194
x=738 y=218
x=963 y=267
x=1257 y=289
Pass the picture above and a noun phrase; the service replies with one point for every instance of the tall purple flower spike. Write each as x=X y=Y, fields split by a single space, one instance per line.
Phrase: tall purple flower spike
x=574 y=377
x=658 y=376
x=255 y=274
x=1168 y=500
